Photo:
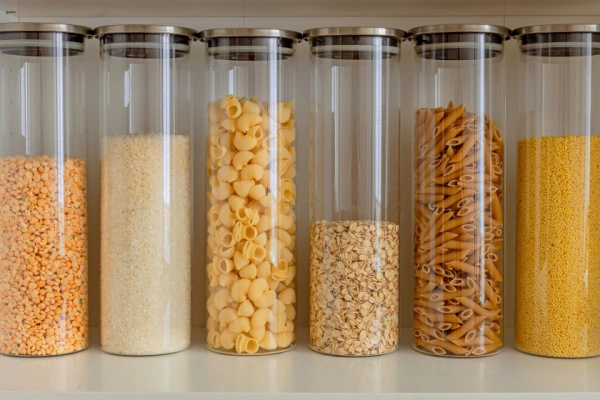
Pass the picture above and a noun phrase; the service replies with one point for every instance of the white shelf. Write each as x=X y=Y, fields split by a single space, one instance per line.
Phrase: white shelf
x=200 y=374
x=300 y=8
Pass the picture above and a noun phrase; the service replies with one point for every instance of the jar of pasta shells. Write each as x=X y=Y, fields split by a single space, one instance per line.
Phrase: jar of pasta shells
x=458 y=190
x=43 y=190
x=251 y=165
x=558 y=191
x=354 y=190
x=145 y=189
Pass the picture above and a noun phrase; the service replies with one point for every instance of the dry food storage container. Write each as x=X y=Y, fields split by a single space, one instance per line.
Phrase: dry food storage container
x=43 y=190
x=146 y=196
x=458 y=193
x=354 y=190
x=251 y=165
x=558 y=209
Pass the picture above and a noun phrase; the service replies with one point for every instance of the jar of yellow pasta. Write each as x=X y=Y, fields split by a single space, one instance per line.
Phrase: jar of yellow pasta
x=251 y=165
x=354 y=195
x=558 y=192
x=458 y=305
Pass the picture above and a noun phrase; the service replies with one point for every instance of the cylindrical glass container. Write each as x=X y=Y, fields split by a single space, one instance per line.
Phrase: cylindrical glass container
x=251 y=165
x=43 y=190
x=146 y=195
x=558 y=214
x=354 y=190
x=458 y=189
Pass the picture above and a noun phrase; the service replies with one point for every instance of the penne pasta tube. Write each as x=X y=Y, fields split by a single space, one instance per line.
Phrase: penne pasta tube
x=490 y=334
x=493 y=270
x=437 y=296
x=451 y=117
x=466 y=327
x=439 y=189
x=488 y=348
x=428 y=288
x=450 y=309
x=451 y=200
x=431 y=331
x=429 y=277
x=448 y=257
x=477 y=340
x=456 y=245
x=425 y=303
x=479 y=310
x=430 y=347
x=496 y=208
x=490 y=294
x=449 y=346
x=438 y=241
x=463 y=266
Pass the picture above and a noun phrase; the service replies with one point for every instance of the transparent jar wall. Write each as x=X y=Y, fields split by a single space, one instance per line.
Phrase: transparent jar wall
x=146 y=204
x=558 y=213
x=354 y=198
x=458 y=194
x=43 y=195
x=251 y=223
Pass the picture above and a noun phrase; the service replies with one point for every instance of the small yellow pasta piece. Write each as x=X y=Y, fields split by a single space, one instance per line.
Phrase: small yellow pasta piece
x=213 y=311
x=288 y=134
x=226 y=140
x=225 y=252
x=263 y=270
x=283 y=237
x=266 y=300
x=248 y=272
x=283 y=112
x=288 y=296
x=257 y=192
x=268 y=342
x=246 y=309
x=273 y=285
x=278 y=307
x=236 y=202
x=227 y=174
x=229 y=124
x=257 y=288
x=226 y=316
x=290 y=312
x=289 y=326
x=214 y=112
x=264 y=224
x=213 y=215
x=214 y=339
x=223 y=190
x=227 y=280
x=228 y=339
x=239 y=325
x=251 y=107
x=256 y=132
x=261 y=317
x=216 y=152
x=244 y=142
x=239 y=261
x=212 y=324
x=242 y=187
x=246 y=120
x=291 y=275
x=284 y=339
x=252 y=171
x=232 y=106
x=239 y=290
x=224 y=237
x=226 y=216
x=241 y=159
x=287 y=255
x=279 y=271
x=261 y=158
x=254 y=252
x=258 y=333
x=285 y=221
x=222 y=299
x=247 y=215
x=245 y=344
x=261 y=239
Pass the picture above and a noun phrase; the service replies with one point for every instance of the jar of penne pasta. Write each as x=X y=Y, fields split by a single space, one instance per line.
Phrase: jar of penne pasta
x=146 y=189
x=458 y=189
x=43 y=190
x=354 y=193
x=558 y=192
x=251 y=164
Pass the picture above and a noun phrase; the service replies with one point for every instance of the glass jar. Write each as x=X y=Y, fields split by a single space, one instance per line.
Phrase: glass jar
x=251 y=165
x=458 y=191
x=146 y=195
x=558 y=213
x=43 y=190
x=354 y=190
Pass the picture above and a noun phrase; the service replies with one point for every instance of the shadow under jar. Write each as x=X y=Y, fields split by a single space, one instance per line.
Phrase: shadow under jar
x=558 y=192
x=43 y=190
x=146 y=195
x=458 y=189
x=251 y=166
x=354 y=190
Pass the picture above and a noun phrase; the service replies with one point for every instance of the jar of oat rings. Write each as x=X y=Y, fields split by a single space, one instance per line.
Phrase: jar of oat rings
x=251 y=165
x=146 y=195
x=458 y=191
x=558 y=214
x=354 y=190
x=43 y=190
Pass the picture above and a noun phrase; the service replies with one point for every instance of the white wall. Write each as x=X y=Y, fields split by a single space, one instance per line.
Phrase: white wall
x=301 y=24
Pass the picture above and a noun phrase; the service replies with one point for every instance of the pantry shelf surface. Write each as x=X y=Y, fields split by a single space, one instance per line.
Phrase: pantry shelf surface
x=200 y=374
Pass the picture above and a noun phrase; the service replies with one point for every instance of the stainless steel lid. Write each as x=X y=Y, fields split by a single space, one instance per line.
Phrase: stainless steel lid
x=460 y=28
x=354 y=31
x=556 y=28
x=249 y=32
x=138 y=28
x=44 y=27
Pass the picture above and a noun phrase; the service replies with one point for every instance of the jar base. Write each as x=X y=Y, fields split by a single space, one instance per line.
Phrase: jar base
x=162 y=353
x=317 y=350
x=46 y=355
x=258 y=353
x=422 y=351
x=551 y=356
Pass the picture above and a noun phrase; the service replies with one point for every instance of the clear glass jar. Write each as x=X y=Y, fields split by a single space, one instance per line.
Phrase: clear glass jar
x=458 y=189
x=354 y=190
x=146 y=193
x=558 y=208
x=43 y=190
x=251 y=165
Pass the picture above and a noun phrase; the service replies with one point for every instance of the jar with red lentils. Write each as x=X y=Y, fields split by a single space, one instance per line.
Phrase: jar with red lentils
x=43 y=190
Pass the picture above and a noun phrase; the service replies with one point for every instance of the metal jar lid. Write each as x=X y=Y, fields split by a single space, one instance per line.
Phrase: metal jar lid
x=557 y=28
x=249 y=33
x=139 y=28
x=460 y=28
x=45 y=27
x=354 y=31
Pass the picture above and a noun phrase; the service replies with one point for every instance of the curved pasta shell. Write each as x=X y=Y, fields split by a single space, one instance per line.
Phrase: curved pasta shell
x=290 y=312
x=258 y=333
x=284 y=339
x=262 y=158
x=252 y=171
x=239 y=325
x=248 y=272
x=246 y=120
x=241 y=159
x=239 y=290
x=263 y=269
x=232 y=106
x=229 y=124
x=214 y=112
x=244 y=142
x=261 y=317
x=266 y=300
x=214 y=339
x=228 y=339
x=239 y=261
x=257 y=192
x=227 y=280
x=242 y=187
x=246 y=309
x=227 y=315
x=257 y=288
x=268 y=342
x=222 y=299
x=251 y=107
